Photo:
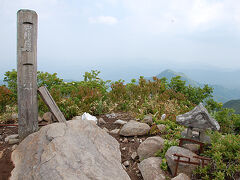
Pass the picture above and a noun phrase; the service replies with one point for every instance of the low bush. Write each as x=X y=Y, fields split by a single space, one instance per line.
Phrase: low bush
x=225 y=154
x=6 y=98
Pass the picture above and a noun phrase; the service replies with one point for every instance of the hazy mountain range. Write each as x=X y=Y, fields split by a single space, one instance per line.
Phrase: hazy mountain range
x=220 y=93
x=234 y=104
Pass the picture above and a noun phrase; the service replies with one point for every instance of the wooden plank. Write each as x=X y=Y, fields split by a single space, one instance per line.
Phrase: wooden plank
x=27 y=22
x=49 y=101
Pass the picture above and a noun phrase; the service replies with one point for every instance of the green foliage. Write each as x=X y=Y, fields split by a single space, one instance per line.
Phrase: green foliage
x=95 y=96
x=6 y=98
x=177 y=84
x=161 y=153
x=172 y=131
x=11 y=80
x=167 y=145
x=225 y=155
x=164 y=165
x=48 y=80
x=197 y=94
x=193 y=94
x=213 y=106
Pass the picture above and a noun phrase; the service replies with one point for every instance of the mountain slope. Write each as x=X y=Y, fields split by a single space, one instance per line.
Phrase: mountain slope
x=234 y=104
x=220 y=93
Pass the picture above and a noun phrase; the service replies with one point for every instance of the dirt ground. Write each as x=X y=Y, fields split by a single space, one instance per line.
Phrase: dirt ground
x=6 y=165
x=127 y=148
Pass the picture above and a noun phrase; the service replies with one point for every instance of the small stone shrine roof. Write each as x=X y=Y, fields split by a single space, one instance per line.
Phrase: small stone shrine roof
x=198 y=118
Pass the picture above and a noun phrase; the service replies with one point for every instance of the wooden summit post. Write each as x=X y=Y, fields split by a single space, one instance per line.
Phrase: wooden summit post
x=27 y=22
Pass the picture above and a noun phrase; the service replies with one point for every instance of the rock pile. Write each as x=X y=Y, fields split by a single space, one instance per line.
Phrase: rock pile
x=83 y=150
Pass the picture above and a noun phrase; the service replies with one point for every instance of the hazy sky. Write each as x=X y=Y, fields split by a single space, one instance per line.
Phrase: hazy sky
x=126 y=37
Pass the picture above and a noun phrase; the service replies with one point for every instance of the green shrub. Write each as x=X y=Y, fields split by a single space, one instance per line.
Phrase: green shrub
x=11 y=80
x=228 y=120
x=161 y=153
x=6 y=98
x=225 y=155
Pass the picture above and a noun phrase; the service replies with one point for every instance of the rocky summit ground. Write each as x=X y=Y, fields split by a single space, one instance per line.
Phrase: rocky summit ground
x=128 y=146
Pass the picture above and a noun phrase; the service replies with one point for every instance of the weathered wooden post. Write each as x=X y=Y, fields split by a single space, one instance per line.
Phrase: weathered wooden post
x=27 y=72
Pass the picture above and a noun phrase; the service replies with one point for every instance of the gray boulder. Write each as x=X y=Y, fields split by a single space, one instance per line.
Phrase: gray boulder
x=78 y=150
x=182 y=167
x=13 y=136
x=149 y=147
x=181 y=176
x=198 y=118
x=150 y=169
x=114 y=131
x=192 y=147
x=77 y=118
x=13 y=141
x=101 y=121
x=48 y=116
x=161 y=127
x=134 y=128
x=148 y=119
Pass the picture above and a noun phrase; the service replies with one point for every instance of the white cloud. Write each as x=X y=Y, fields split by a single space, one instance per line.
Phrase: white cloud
x=109 y=20
x=157 y=16
x=206 y=14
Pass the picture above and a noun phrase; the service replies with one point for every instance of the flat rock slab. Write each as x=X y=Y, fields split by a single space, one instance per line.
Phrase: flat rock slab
x=149 y=147
x=80 y=150
x=150 y=169
x=134 y=128
x=182 y=167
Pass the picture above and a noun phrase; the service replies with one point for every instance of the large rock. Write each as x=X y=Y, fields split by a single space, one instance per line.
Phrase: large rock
x=148 y=119
x=181 y=176
x=134 y=128
x=198 y=118
x=48 y=116
x=182 y=167
x=161 y=127
x=80 y=150
x=150 y=169
x=101 y=121
x=149 y=147
x=13 y=136
x=192 y=147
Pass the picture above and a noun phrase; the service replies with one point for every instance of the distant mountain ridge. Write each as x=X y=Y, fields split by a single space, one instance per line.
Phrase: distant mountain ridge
x=234 y=104
x=220 y=93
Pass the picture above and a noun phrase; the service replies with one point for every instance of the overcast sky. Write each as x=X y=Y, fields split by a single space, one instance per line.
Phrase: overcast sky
x=117 y=36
